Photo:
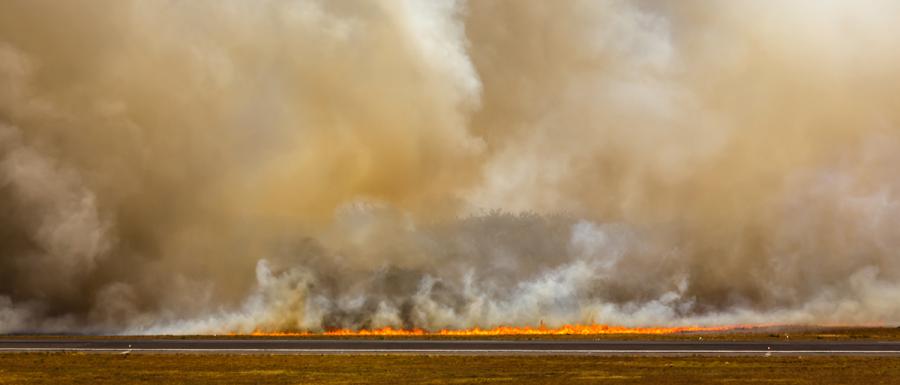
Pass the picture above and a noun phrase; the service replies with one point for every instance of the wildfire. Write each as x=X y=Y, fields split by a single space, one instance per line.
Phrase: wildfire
x=508 y=331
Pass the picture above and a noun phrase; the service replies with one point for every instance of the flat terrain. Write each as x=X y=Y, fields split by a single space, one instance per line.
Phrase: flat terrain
x=369 y=346
x=81 y=368
x=795 y=355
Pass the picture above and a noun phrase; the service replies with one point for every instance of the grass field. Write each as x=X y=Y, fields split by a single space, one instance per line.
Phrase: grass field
x=79 y=368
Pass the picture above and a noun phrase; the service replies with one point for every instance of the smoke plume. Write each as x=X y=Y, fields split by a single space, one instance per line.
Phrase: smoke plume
x=230 y=166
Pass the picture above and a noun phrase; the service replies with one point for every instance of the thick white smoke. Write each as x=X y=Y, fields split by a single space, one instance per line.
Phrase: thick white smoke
x=216 y=166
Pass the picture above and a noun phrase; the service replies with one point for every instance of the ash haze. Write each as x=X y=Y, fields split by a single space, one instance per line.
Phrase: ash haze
x=229 y=166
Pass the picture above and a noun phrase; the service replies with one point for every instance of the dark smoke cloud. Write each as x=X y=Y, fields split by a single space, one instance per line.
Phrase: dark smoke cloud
x=186 y=167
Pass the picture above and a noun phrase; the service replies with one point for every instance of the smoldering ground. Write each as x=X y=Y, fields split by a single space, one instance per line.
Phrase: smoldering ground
x=204 y=166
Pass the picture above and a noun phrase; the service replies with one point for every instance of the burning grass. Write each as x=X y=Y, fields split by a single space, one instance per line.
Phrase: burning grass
x=728 y=333
x=77 y=368
x=565 y=330
x=595 y=332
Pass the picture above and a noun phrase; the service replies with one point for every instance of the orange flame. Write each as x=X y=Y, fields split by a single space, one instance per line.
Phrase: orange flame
x=508 y=331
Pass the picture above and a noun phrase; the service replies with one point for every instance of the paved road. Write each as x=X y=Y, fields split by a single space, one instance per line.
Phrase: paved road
x=311 y=346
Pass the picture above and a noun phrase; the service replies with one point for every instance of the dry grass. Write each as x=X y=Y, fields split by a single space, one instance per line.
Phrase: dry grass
x=79 y=368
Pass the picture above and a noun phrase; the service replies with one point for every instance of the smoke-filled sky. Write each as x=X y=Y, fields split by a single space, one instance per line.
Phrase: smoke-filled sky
x=229 y=166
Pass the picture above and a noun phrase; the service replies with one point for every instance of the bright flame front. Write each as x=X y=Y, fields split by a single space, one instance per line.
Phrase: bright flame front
x=508 y=331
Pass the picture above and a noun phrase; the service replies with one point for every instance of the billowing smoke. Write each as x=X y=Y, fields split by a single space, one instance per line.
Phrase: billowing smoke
x=212 y=166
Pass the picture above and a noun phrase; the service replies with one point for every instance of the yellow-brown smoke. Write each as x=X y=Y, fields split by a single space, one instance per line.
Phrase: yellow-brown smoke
x=216 y=166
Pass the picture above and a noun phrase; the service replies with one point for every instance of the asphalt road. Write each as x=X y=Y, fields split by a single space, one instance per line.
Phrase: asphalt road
x=311 y=346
